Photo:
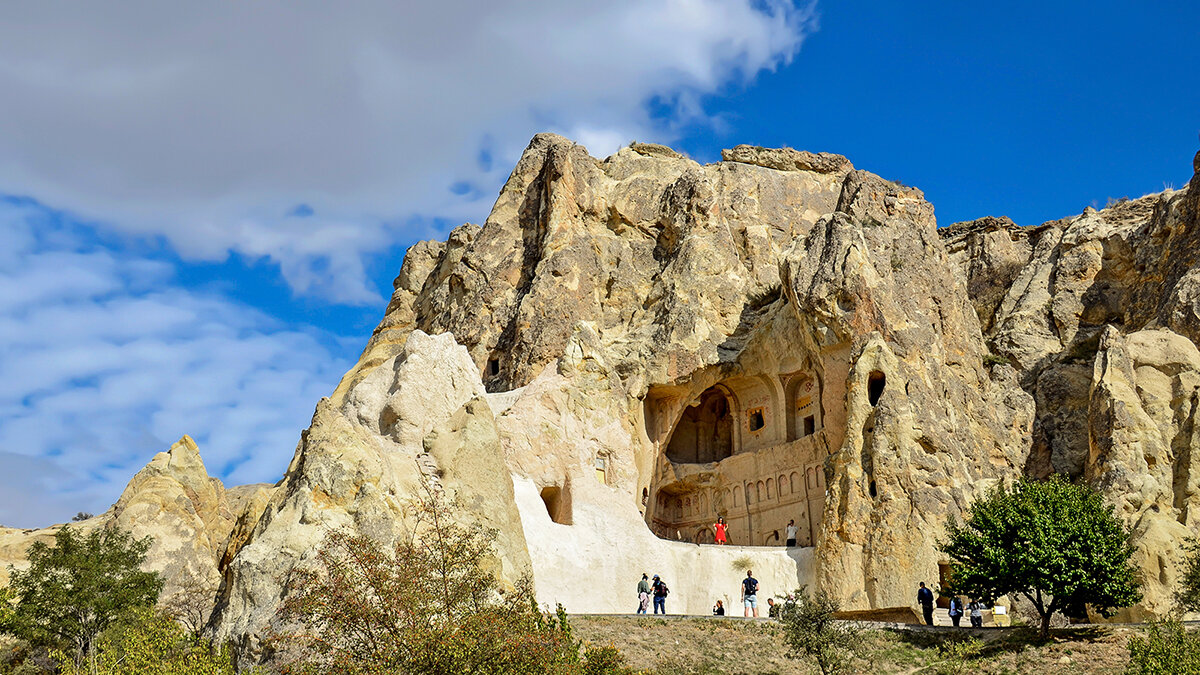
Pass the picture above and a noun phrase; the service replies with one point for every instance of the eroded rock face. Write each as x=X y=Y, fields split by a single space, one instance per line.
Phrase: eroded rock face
x=1101 y=318
x=417 y=421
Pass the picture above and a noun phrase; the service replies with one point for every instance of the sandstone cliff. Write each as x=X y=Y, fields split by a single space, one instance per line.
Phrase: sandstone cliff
x=599 y=302
x=629 y=348
x=1101 y=315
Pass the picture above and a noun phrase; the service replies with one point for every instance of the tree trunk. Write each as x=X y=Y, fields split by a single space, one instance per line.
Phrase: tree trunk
x=1046 y=624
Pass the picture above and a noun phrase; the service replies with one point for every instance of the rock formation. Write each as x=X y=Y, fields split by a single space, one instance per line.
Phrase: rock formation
x=629 y=348
x=1101 y=314
x=192 y=518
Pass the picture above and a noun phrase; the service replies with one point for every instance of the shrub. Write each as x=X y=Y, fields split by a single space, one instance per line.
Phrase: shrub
x=812 y=633
x=957 y=655
x=1167 y=649
x=151 y=643
x=1188 y=593
x=427 y=604
x=1053 y=542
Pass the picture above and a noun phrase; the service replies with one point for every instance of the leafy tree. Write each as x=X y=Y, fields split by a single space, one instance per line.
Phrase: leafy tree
x=1188 y=593
x=1167 y=649
x=6 y=608
x=75 y=589
x=808 y=622
x=146 y=642
x=1054 y=542
x=428 y=604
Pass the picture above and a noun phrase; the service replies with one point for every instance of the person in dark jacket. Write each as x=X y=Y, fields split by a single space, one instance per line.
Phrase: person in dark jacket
x=660 y=591
x=925 y=600
x=719 y=610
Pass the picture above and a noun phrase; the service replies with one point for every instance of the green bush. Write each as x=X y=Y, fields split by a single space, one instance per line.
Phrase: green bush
x=813 y=633
x=151 y=643
x=1188 y=594
x=1167 y=649
x=957 y=655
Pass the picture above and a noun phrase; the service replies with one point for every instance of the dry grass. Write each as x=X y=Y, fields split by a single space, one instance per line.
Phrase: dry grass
x=695 y=646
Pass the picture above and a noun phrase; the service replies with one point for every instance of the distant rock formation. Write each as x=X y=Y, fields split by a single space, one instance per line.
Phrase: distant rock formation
x=197 y=525
x=629 y=348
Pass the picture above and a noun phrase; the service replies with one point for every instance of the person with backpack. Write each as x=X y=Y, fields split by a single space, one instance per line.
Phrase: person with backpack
x=750 y=593
x=643 y=594
x=956 y=610
x=660 y=595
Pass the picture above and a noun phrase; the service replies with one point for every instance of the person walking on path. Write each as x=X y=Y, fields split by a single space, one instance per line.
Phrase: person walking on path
x=976 y=609
x=720 y=528
x=925 y=600
x=750 y=593
x=643 y=594
x=791 y=533
x=660 y=591
x=956 y=609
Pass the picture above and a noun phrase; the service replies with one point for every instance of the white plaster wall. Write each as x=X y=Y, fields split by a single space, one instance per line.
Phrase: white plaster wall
x=593 y=565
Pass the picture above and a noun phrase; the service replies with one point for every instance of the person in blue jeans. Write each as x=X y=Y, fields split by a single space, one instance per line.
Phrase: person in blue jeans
x=660 y=595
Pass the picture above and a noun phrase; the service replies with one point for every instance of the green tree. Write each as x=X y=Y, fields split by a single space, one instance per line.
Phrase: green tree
x=813 y=633
x=147 y=642
x=428 y=604
x=1188 y=593
x=1054 y=542
x=78 y=587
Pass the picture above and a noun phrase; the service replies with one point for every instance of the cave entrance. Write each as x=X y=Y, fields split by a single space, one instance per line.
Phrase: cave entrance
x=876 y=382
x=558 y=504
x=705 y=432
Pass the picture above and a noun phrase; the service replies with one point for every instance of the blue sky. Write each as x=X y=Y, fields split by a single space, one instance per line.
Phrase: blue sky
x=204 y=209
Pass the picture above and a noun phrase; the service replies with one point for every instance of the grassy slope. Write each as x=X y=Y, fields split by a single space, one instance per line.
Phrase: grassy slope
x=702 y=646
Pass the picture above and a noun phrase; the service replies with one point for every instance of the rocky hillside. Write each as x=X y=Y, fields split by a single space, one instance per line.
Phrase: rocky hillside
x=1101 y=315
x=538 y=366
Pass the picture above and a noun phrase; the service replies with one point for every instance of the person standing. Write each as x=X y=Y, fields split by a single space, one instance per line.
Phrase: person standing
x=791 y=532
x=956 y=610
x=925 y=600
x=976 y=609
x=660 y=591
x=750 y=593
x=643 y=594
x=720 y=528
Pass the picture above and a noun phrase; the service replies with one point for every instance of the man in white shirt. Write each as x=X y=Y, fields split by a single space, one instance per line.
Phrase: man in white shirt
x=791 y=533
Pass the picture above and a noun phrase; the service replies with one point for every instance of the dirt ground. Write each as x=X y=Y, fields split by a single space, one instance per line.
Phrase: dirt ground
x=701 y=646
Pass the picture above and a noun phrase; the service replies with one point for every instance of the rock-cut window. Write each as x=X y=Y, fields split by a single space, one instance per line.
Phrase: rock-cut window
x=757 y=420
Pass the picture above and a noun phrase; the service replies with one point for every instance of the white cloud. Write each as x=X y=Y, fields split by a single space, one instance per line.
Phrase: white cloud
x=106 y=360
x=207 y=123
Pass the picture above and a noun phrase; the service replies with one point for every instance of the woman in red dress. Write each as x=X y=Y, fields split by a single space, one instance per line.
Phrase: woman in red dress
x=720 y=527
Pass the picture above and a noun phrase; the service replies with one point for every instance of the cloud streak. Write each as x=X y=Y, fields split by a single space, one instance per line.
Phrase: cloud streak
x=107 y=360
x=208 y=125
